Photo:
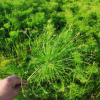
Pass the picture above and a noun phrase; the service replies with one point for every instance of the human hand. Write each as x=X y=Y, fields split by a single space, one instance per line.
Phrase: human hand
x=9 y=87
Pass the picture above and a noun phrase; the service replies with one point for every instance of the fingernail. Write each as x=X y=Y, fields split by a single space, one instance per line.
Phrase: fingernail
x=27 y=84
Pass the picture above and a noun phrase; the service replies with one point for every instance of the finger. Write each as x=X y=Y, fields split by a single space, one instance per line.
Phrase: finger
x=18 y=81
x=18 y=88
x=13 y=77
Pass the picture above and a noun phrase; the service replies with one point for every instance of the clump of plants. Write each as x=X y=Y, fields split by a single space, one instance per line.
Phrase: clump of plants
x=60 y=55
x=60 y=66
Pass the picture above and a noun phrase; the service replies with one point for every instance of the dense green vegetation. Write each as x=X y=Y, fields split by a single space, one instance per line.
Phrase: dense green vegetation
x=59 y=37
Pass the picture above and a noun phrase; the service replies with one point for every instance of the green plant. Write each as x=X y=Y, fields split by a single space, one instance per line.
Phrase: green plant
x=61 y=55
x=14 y=34
x=56 y=63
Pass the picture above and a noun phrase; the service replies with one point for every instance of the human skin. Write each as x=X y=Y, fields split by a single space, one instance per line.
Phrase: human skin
x=10 y=86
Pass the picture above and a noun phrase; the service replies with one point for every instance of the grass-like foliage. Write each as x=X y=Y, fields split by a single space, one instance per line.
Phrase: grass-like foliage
x=53 y=43
x=58 y=66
